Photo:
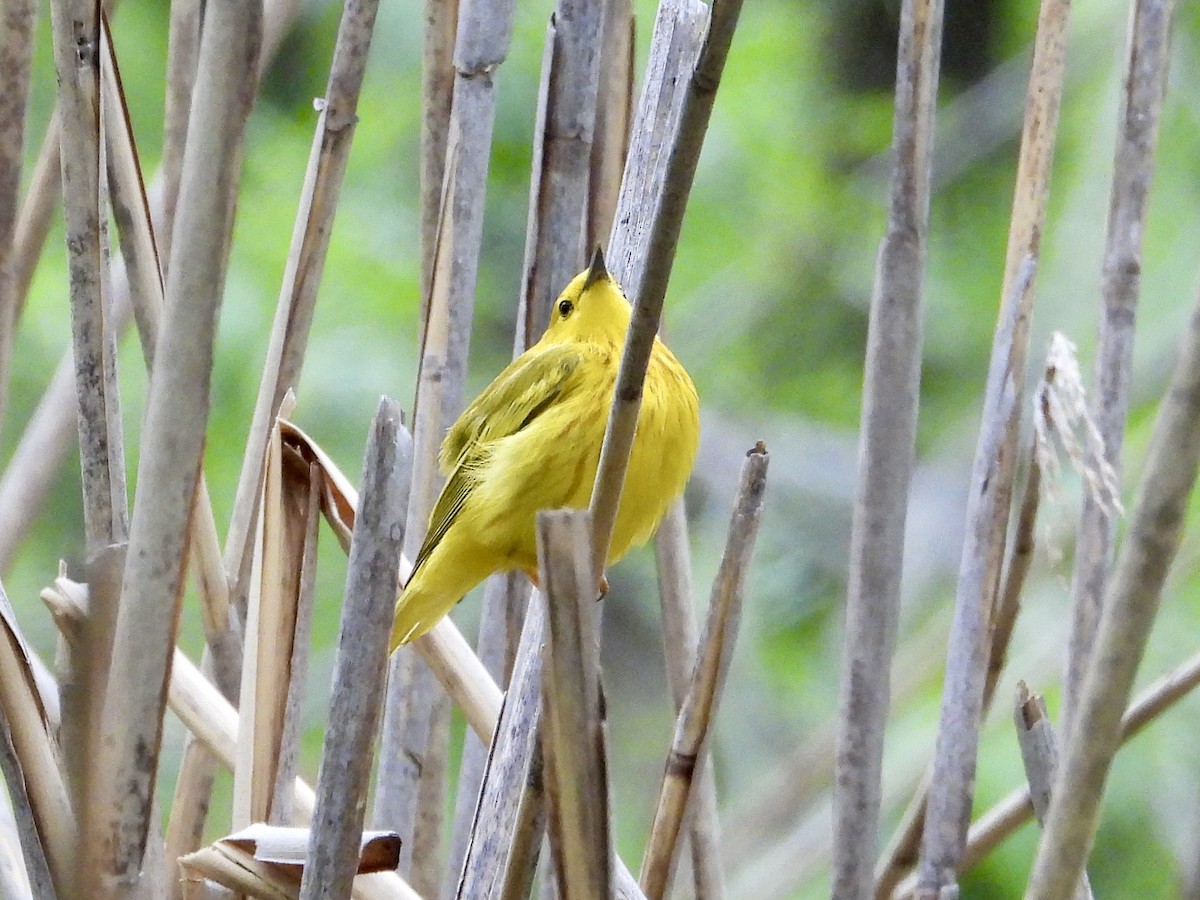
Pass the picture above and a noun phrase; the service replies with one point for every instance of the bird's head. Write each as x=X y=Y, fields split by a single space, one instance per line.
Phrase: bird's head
x=591 y=308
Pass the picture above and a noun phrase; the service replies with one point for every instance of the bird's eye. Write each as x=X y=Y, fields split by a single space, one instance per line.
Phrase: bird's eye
x=565 y=308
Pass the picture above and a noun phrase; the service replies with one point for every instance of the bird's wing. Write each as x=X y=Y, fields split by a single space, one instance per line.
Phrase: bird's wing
x=528 y=387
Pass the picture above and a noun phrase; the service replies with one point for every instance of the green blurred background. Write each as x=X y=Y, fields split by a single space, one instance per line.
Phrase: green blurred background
x=768 y=310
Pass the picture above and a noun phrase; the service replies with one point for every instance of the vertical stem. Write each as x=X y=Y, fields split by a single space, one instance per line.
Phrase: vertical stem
x=1133 y=170
x=887 y=444
x=983 y=549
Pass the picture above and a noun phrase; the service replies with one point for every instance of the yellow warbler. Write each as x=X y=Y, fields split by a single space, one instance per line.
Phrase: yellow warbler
x=532 y=441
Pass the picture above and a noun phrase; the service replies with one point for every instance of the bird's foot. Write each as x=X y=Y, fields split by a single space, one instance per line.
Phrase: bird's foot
x=602 y=587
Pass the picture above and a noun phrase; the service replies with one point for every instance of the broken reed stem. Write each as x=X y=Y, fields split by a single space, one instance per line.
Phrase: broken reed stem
x=887 y=445
x=360 y=666
x=952 y=791
x=573 y=732
x=692 y=728
x=658 y=259
x=332 y=140
x=901 y=854
x=18 y=20
x=173 y=435
x=76 y=31
x=999 y=822
x=1131 y=604
x=1133 y=169
x=1039 y=754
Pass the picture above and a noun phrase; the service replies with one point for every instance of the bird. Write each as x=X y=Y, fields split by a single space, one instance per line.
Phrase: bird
x=531 y=441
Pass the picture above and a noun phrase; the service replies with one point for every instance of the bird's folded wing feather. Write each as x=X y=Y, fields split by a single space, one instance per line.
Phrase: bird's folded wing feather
x=528 y=387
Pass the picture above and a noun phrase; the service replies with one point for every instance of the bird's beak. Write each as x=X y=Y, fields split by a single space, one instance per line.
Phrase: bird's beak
x=596 y=270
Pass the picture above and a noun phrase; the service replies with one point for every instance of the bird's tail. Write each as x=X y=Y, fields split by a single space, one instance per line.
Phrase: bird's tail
x=416 y=613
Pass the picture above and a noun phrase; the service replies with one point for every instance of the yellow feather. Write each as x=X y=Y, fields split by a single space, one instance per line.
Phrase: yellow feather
x=531 y=441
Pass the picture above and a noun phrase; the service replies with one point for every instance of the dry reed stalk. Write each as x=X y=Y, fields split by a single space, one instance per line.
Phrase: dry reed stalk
x=562 y=150
x=444 y=648
x=17 y=23
x=704 y=692
x=560 y=189
x=946 y=817
x=437 y=91
x=42 y=451
x=26 y=873
x=332 y=140
x=902 y=851
x=509 y=822
x=614 y=120
x=659 y=256
x=183 y=51
x=1133 y=171
x=993 y=471
x=999 y=822
x=173 y=438
x=573 y=744
x=76 y=31
x=681 y=641
x=275 y=660
x=679 y=28
x=208 y=715
x=356 y=698
x=1131 y=604
x=1039 y=754
x=887 y=445
x=37 y=752
x=416 y=725
x=267 y=860
x=505 y=598
x=37 y=210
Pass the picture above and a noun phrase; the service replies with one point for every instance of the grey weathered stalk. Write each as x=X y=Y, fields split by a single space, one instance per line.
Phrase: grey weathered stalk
x=576 y=764
x=562 y=149
x=332 y=140
x=76 y=30
x=887 y=445
x=902 y=852
x=437 y=91
x=1039 y=754
x=1131 y=604
x=1015 y=809
x=987 y=522
x=173 y=436
x=949 y=805
x=411 y=798
x=360 y=665
x=699 y=709
x=681 y=641
x=1133 y=170
x=680 y=170
x=18 y=19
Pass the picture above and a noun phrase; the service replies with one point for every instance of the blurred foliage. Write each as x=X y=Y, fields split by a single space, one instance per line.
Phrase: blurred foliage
x=768 y=309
